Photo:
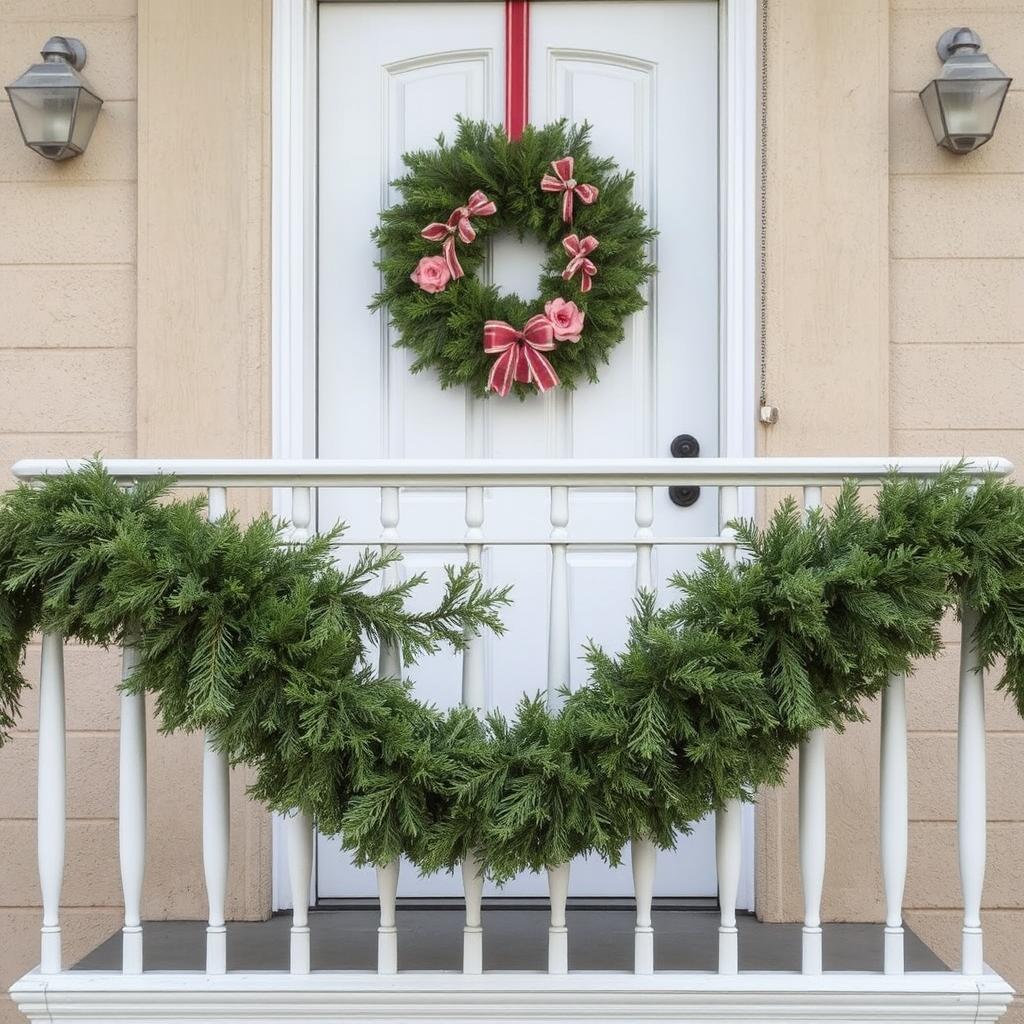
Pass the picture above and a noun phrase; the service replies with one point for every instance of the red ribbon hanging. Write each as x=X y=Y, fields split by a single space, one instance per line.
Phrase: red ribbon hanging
x=517 y=67
x=459 y=224
x=520 y=355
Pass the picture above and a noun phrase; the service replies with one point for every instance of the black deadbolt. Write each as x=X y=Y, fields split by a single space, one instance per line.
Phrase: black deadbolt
x=684 y=446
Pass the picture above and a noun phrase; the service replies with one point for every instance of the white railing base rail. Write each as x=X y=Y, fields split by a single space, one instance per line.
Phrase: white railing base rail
x=511 y=998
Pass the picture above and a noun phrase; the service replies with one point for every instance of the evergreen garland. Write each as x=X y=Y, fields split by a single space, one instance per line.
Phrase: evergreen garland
x=265 y=643
x=445 y=330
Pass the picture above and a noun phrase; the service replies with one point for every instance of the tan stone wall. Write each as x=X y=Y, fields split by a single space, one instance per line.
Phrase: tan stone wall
x=957 y=377
x=67 y=386
x=203 y=348
x=945 y=265
x=828 y=360
x=894 y=305
x=133 y=286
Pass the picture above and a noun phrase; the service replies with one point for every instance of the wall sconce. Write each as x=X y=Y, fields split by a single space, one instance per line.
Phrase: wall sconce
x=55 y=106
x=964 y=102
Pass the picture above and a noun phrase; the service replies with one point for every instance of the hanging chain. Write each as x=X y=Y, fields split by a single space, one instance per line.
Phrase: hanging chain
x=768 y=413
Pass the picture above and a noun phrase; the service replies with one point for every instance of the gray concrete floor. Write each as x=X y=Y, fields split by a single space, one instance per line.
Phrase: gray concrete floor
x=514 y=939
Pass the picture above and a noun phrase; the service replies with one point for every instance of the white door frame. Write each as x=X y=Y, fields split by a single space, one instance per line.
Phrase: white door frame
x=294 y=264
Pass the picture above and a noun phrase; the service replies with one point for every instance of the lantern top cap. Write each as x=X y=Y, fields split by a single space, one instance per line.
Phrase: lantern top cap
x=960 y=51
x=957 y=40
x=63 y=58
x=65 y=48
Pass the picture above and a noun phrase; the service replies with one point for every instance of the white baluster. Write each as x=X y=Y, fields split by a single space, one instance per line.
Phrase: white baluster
x=728 y=510
x=812 y=821
x=387 y=932
x=299 y=830
x=558 y=931
x=558 y=678
x=216 y=844
x=893 y=817
x=558 y=614
x=728 y=820
x=131 y=814
x=391 y=667
x=473 y=932
x=473 y=696
x=299 y=826
x=216 y=816
x=390 y=655
x=302 y=513
x=812 y=844
x=728 y=845
x=473 y=692
x=644 y=856
x=52 y=796
x=971 y=813
x=644 y=517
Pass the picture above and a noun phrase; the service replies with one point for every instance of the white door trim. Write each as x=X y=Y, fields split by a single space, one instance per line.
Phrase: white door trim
x=293 y=81
x=294 y=258
x=738 y=164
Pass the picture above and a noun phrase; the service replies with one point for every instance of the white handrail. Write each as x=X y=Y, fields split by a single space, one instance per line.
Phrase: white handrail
x=517 y=472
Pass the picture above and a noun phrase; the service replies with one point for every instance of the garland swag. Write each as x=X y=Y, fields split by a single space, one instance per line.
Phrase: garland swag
x=265 y=643
x=547 y=184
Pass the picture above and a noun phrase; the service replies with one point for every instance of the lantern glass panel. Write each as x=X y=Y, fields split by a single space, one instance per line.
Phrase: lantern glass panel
x=45 y=115
x=930 y=100
x=85 y=119
x=971 y=106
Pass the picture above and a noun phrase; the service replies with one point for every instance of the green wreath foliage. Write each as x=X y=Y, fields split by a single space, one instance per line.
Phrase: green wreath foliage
x=445 y=330
x=267 y=645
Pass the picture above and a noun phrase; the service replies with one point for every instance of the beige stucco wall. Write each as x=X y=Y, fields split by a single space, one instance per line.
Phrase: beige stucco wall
x=203 y=347
x=67 y=384
x=138 y=323
x=133 y=286
x=957 y=377
x=827 y=358
x=894 y=325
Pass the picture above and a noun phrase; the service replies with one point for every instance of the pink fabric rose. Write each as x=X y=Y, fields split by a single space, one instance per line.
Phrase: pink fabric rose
x=431 y=274
x=566 y=319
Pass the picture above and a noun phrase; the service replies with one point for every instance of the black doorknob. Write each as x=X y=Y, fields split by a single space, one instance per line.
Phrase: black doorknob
x=684 y=446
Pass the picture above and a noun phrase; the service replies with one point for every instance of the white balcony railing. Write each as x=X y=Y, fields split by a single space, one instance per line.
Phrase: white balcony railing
x=53 y=992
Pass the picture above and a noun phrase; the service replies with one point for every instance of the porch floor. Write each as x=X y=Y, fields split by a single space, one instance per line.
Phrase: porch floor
x=515 y=939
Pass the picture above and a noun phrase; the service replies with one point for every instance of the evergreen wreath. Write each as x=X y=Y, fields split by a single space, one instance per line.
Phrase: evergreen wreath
x=433 y=246
x=266 y=644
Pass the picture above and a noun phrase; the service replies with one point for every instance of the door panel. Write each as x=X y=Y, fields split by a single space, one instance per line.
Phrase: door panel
x=392 y=77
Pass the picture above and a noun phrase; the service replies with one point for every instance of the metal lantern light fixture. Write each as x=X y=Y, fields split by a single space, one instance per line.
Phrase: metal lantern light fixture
x=964 y=102
x=55 y=106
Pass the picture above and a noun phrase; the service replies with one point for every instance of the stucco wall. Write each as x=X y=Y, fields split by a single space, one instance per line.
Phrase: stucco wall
x=894 y=299
x=203 y=351
x=827 y=361
x=158 y=233
x=67 y=384
x=943 y=261
x=957 y=376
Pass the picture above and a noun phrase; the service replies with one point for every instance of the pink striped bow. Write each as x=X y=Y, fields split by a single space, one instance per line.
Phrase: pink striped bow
x=579 y=251
x=520 y=354
x=565 y=183
x=459 y=224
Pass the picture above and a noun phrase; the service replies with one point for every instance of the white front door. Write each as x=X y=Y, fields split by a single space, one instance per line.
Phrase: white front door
x=392 y=76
